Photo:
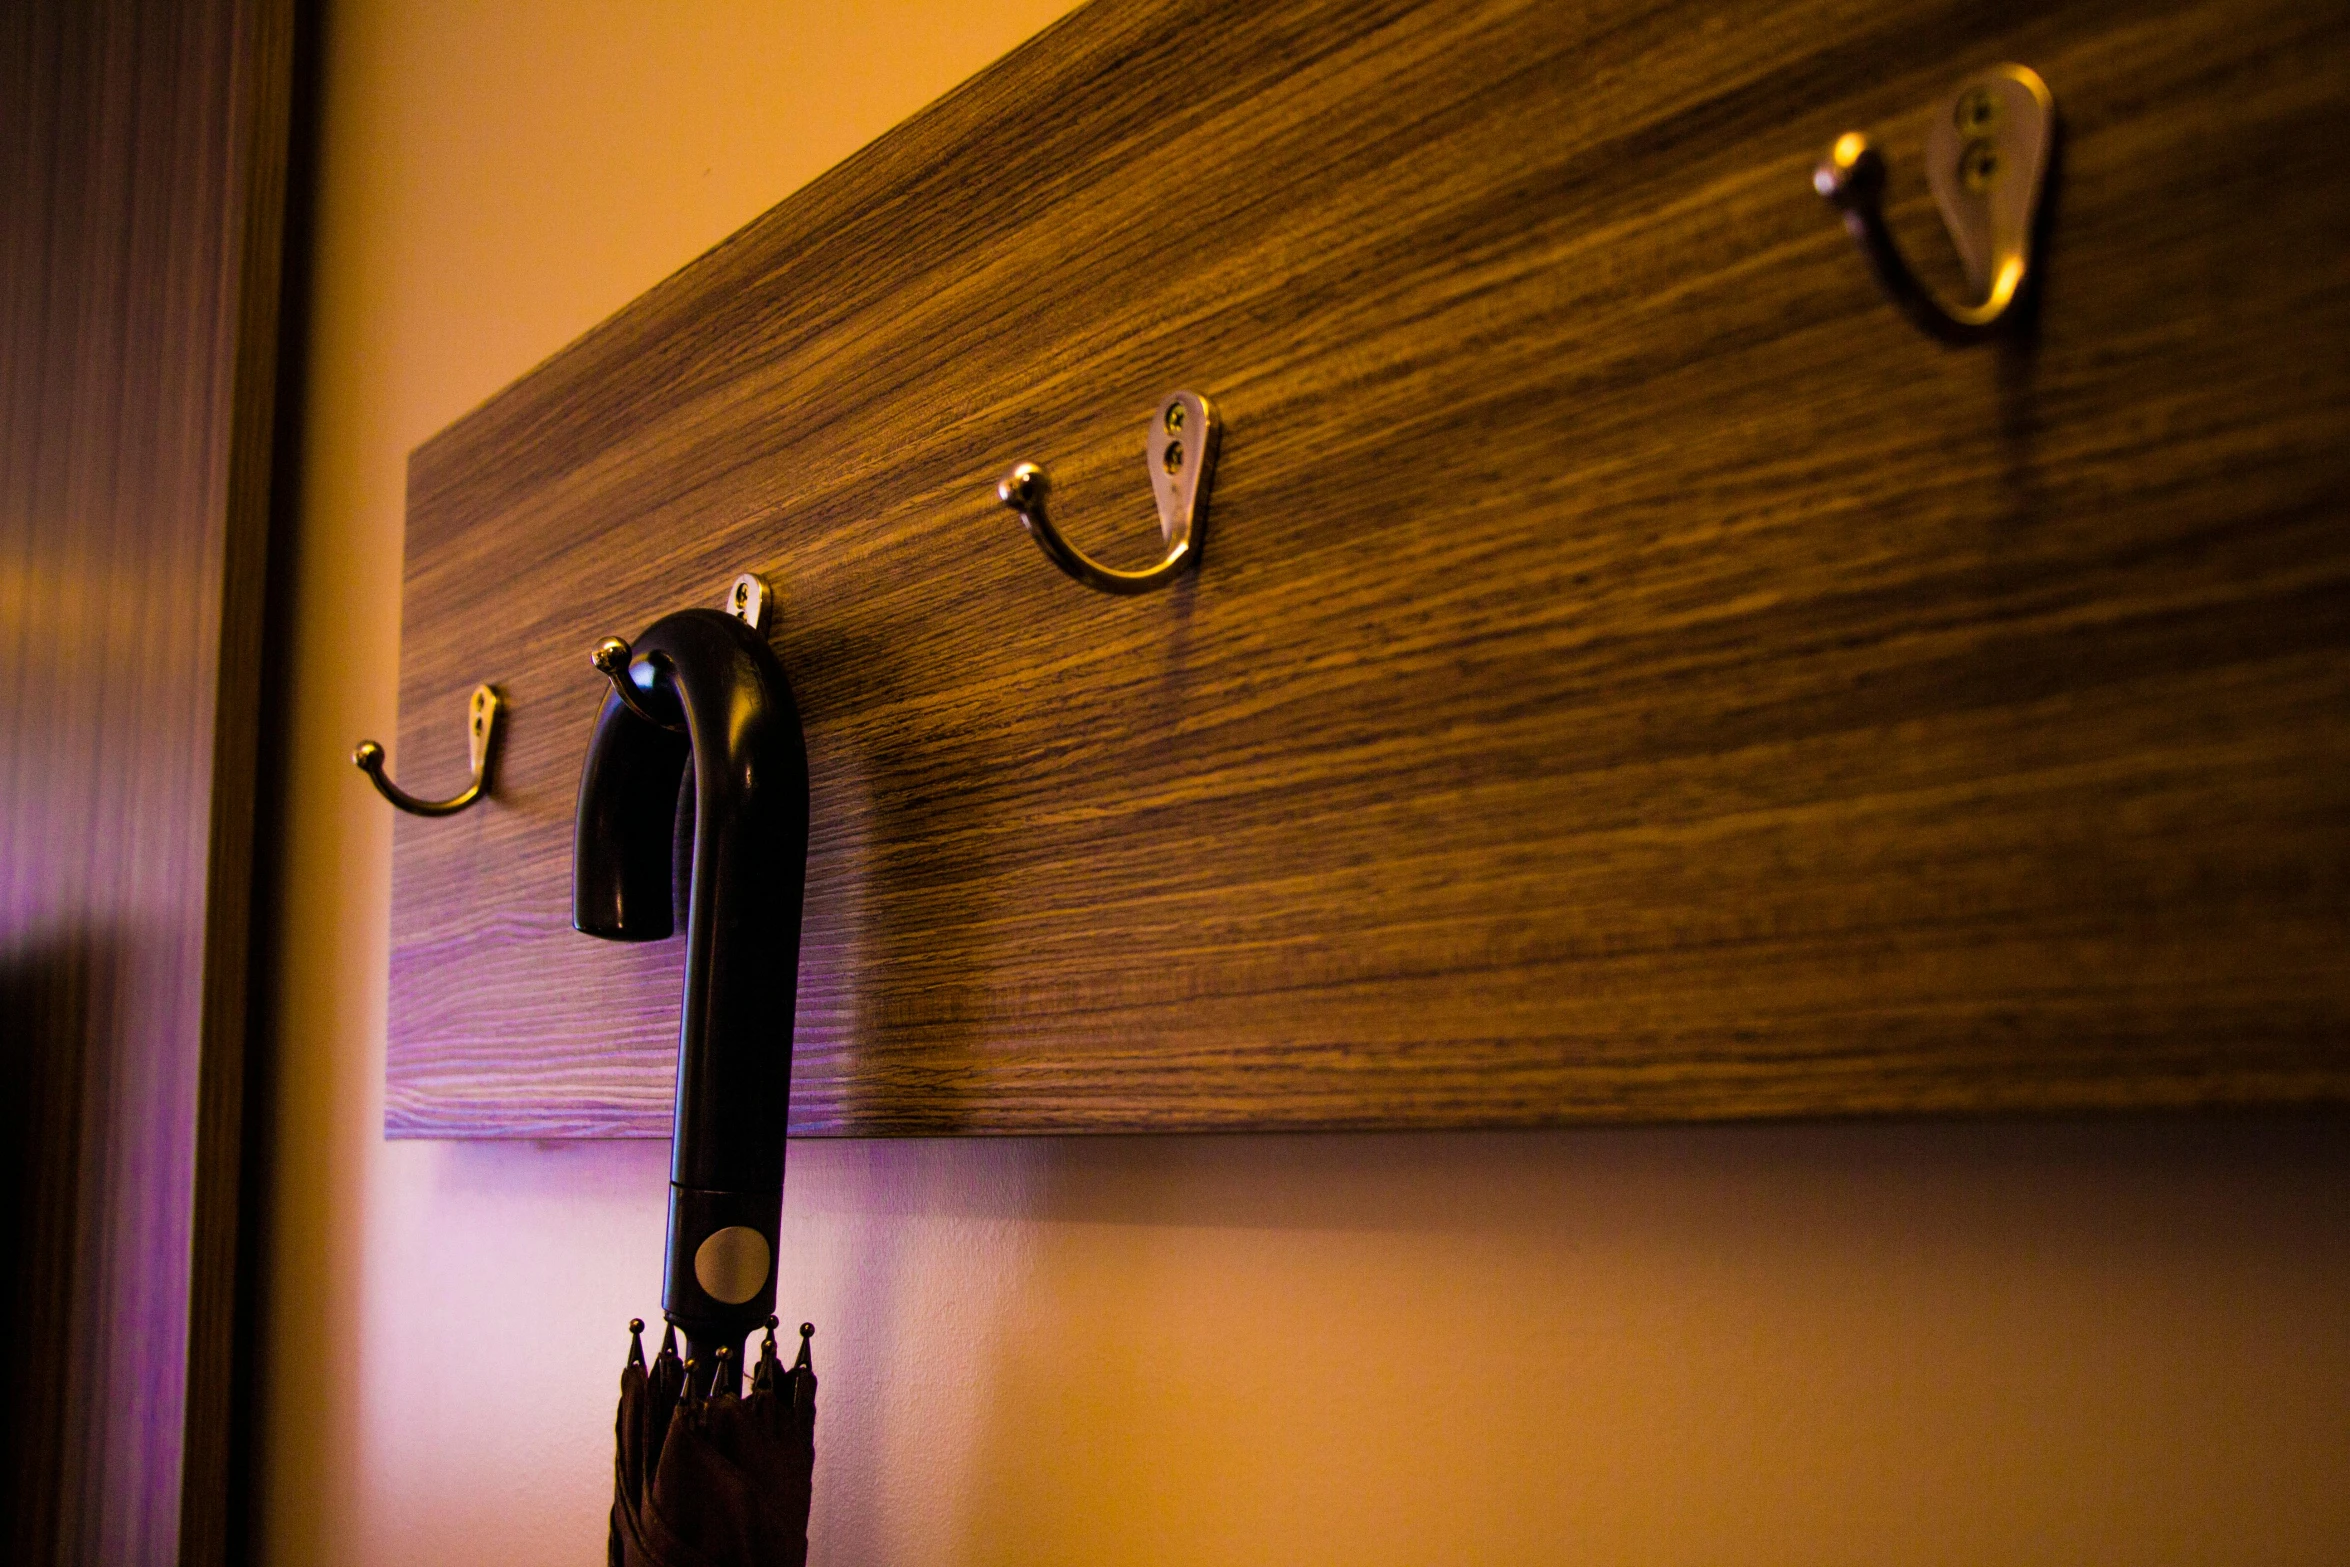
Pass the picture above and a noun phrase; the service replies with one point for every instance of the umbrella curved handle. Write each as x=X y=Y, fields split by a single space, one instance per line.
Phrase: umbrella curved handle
x=703 y=689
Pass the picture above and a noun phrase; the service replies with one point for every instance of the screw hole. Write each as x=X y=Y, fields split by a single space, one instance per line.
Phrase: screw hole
x=1977 y=111
x=1978 y=166
x=1174 y=457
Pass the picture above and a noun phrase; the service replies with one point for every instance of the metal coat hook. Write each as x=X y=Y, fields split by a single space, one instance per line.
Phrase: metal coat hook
x=615 y=658
x=481 y=738
x=746 y=600
x=1987 y=161
x=1180 y=452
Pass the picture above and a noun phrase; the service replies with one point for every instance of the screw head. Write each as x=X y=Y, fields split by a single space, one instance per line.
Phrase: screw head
x=1978 y=166
x=1976 y=111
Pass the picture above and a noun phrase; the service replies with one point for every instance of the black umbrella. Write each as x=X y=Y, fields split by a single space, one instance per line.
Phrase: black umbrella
x=706 y=1477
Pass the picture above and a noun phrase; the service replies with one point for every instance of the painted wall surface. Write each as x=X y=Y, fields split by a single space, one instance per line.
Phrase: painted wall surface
x=1954 y=1343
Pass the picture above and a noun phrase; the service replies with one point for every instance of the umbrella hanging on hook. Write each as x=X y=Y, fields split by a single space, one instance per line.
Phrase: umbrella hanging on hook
x=705 y=1475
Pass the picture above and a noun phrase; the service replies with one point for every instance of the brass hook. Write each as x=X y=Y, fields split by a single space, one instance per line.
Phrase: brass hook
x=1180 y=452
x=747 y=598
x=612 y=657
x=1987 y=160
x=481 y=736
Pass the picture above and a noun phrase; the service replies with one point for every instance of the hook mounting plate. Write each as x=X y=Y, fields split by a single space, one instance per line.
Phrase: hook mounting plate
x=1180 y=449
x=481 y=721
x=1986 y=158
x=746 y=600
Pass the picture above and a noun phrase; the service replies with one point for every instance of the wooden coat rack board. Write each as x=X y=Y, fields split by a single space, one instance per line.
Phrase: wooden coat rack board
x=1634 y=674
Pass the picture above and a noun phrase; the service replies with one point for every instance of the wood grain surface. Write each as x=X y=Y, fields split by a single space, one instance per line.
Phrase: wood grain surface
x=1633 y=674
x=142 y=153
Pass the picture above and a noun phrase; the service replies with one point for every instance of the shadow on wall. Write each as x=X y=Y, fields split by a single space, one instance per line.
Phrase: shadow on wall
x=2014 y=1342
x=1736 y=1343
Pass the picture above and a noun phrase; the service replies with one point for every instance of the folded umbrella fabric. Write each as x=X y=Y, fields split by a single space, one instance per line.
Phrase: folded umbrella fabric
x=715 y=1480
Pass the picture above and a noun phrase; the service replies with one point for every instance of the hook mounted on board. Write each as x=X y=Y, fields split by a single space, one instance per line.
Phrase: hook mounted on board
x=1180 y=452
x=481 y=736
x=1987 y=161
x=746 y=600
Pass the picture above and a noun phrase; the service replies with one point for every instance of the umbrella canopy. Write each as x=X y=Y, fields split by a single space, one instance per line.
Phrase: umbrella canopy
x=710 y=1478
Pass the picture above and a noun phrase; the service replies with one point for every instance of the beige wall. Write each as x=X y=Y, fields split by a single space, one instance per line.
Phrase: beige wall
x=2118 y=1342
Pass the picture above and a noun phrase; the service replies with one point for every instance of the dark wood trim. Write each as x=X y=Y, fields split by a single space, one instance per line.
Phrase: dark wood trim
x=142 y=184
x=262 y=99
